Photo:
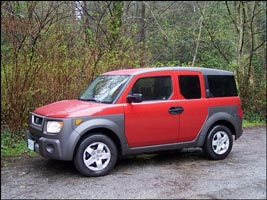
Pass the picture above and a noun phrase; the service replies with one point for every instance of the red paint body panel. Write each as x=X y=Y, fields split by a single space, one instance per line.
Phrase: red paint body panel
x=224 y=101
x=192 y=119
x=149 y=123
x=76 y=108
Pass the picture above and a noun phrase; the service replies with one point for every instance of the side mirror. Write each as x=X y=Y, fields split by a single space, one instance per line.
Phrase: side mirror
x=135 y=98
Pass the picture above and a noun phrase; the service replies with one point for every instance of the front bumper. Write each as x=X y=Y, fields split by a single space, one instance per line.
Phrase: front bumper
x=46 y=147
x=59 y=146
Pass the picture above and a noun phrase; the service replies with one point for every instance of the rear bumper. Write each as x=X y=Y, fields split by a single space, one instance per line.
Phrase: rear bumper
x=239 y=129
x=238 y=134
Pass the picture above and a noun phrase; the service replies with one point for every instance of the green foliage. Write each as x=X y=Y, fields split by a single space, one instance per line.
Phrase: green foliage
x=168 y=64
x=13 y=144
x=116 y=19
x=255 y=105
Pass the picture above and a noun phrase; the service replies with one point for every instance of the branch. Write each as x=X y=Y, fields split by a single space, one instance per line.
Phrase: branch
x=255 y=49
x=214 y=44
x=163 y=11
x=156 y=20
x=231 y=16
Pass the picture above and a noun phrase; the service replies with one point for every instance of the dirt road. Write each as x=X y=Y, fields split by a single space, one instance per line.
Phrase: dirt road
x=188 y=174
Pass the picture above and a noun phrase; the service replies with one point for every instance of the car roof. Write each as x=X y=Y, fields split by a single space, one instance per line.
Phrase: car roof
x=136 y=71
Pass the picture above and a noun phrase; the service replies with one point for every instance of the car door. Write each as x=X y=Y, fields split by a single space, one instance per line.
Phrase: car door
x=192 y=99
x=155 y=120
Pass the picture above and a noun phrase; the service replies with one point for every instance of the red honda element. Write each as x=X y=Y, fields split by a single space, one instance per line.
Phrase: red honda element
x=137 y=111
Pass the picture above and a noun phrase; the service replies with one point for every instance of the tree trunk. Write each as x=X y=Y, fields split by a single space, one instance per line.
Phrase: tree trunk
x=142 y=32
x=86 y=22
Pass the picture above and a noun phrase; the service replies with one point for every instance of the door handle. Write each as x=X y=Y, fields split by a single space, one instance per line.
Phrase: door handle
x=176 y=110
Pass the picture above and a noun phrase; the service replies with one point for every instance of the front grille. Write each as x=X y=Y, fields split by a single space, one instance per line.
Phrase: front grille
x=37 y=120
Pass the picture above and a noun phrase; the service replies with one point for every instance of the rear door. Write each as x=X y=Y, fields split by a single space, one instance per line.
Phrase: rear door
x=192 y=98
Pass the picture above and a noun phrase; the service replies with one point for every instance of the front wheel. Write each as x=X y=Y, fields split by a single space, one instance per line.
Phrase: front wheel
x=218 y=143
x=96 y=156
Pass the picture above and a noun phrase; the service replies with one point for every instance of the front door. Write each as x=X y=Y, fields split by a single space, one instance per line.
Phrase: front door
x=155 y=120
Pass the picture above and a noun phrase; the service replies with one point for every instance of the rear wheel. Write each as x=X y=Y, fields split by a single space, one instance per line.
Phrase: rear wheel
x=96 y=156
x=218 y=143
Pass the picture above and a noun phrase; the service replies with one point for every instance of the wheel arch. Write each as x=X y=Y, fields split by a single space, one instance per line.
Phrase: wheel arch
x=225 y=123
x=103 y=131
x=220 y=118
x=112 y=126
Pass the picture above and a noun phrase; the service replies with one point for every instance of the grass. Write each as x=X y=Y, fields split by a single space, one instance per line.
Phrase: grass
x=14 y=145
x=250 y=124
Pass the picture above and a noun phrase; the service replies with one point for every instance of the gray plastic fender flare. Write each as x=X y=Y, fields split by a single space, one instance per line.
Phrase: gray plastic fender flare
x=79 y=131
x=210 y=121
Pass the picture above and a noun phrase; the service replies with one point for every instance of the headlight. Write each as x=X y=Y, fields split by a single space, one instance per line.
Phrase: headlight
x=54 y=126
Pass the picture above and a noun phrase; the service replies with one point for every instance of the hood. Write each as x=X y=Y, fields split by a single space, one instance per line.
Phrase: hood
x=71 y=108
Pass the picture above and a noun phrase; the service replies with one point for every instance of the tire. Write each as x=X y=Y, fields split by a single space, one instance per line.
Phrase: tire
x=218 y=143
x=96 y=156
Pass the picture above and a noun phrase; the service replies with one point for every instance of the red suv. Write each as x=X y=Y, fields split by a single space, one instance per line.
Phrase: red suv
x=136 y=111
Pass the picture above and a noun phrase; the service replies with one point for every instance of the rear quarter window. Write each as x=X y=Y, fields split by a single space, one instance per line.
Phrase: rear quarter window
x=221 y=86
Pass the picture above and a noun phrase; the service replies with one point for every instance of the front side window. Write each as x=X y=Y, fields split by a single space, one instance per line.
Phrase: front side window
x=153 y=88
x=190 y=86
x=104 y=89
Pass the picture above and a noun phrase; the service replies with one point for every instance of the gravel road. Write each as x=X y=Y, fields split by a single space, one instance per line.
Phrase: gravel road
x=180 y=175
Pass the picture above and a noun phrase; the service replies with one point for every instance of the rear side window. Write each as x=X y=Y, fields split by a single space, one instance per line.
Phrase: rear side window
x=222 y=86
x=190 y=87
x=153 y=88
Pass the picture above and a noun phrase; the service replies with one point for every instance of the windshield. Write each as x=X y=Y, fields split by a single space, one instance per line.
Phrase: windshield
x=104 y=88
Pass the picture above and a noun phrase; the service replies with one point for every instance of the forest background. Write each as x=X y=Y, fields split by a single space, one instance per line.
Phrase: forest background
x=51 y=50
